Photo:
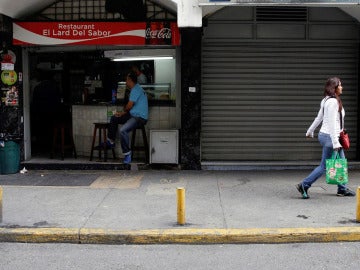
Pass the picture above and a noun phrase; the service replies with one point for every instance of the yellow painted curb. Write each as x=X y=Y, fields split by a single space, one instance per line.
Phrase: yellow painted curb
x=220 y=236
x=39 y=235
x=180 y=236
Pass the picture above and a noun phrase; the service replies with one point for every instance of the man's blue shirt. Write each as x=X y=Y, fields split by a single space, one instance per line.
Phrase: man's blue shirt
x=141 y=107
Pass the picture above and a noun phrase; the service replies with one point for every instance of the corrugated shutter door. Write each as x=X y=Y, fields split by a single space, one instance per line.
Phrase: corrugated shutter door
x=258 y=99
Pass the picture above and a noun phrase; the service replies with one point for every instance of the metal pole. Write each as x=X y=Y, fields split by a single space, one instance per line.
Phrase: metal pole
x=1 y=195
x=180 y=206
x=358 y=205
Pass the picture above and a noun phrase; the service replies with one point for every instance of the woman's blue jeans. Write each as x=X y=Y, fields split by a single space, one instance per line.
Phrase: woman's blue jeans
x=327 y=151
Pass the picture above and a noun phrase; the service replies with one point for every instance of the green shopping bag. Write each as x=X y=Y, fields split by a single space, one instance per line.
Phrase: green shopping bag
x=336 y=170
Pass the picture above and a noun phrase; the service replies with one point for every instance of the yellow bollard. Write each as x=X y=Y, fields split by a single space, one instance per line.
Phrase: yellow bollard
x=358 y=205
x=180 y=206
x=1 y=194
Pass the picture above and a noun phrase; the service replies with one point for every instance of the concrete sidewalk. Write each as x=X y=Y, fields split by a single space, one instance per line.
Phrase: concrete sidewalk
x=125 y=207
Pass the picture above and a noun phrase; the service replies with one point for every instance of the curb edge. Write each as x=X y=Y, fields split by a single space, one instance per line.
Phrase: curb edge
x=181 y=236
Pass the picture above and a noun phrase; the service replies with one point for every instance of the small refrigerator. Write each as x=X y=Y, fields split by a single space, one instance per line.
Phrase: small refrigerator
x=164 y=146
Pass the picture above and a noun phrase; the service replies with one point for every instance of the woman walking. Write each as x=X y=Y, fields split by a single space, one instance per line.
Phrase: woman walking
x=330 y=114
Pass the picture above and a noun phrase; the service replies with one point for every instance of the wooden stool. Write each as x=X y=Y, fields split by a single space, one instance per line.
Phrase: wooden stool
x=102 y=127
x=145 y=141
x=61 y=128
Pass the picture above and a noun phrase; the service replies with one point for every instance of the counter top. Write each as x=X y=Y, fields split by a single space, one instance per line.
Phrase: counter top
x=161 y=103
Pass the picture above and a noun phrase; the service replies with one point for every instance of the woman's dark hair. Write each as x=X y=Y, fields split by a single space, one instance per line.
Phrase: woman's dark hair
x=132 y=75
x=330 y=89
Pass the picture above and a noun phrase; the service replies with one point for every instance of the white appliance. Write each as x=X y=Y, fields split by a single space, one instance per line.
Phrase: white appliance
x=164 y=146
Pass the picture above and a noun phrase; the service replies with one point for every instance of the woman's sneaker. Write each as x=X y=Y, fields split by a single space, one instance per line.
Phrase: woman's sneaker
x=346 y=193
x=303 y=191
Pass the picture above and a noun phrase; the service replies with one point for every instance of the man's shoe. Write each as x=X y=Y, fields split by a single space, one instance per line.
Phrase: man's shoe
x=303 y=191
x=108 y=144
x=127 y=158
x=346 y=193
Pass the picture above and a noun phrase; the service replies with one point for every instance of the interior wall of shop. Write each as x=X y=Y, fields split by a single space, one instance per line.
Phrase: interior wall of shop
x=262 y=83
x=165 y=72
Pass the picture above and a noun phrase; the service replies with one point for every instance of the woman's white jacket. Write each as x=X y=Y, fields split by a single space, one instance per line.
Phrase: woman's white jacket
x=330 y=117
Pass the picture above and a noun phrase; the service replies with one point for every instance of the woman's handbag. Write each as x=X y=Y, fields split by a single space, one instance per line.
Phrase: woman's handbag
x=344 y=140
x=344 y=136
x=336 y=170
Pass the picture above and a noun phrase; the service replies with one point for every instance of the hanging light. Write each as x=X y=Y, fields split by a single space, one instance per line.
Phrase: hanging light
x=143 y=58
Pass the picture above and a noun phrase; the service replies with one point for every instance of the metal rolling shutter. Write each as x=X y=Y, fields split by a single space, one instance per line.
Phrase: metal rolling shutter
x=258 y=99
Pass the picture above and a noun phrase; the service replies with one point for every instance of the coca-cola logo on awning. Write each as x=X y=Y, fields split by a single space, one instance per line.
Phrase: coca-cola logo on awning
x=160 y=33
x=164 y=33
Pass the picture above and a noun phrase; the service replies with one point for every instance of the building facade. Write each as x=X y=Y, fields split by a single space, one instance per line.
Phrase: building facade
x=249 y=83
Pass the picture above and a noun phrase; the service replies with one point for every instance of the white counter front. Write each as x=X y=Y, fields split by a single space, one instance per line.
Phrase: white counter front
x=84 y=117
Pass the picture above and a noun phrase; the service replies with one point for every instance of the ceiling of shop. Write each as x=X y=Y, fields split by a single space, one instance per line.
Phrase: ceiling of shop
x=20 y=8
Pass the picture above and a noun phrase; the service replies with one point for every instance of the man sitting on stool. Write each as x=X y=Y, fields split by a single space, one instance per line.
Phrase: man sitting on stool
x=135 y=114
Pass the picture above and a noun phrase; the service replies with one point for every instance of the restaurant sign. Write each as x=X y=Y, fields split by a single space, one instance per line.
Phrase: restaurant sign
x=96 y=33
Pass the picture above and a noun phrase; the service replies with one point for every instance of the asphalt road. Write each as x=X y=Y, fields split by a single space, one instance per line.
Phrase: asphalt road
x=133 y=257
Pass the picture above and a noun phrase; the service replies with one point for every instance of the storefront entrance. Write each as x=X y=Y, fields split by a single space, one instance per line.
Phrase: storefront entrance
x=80 y=88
